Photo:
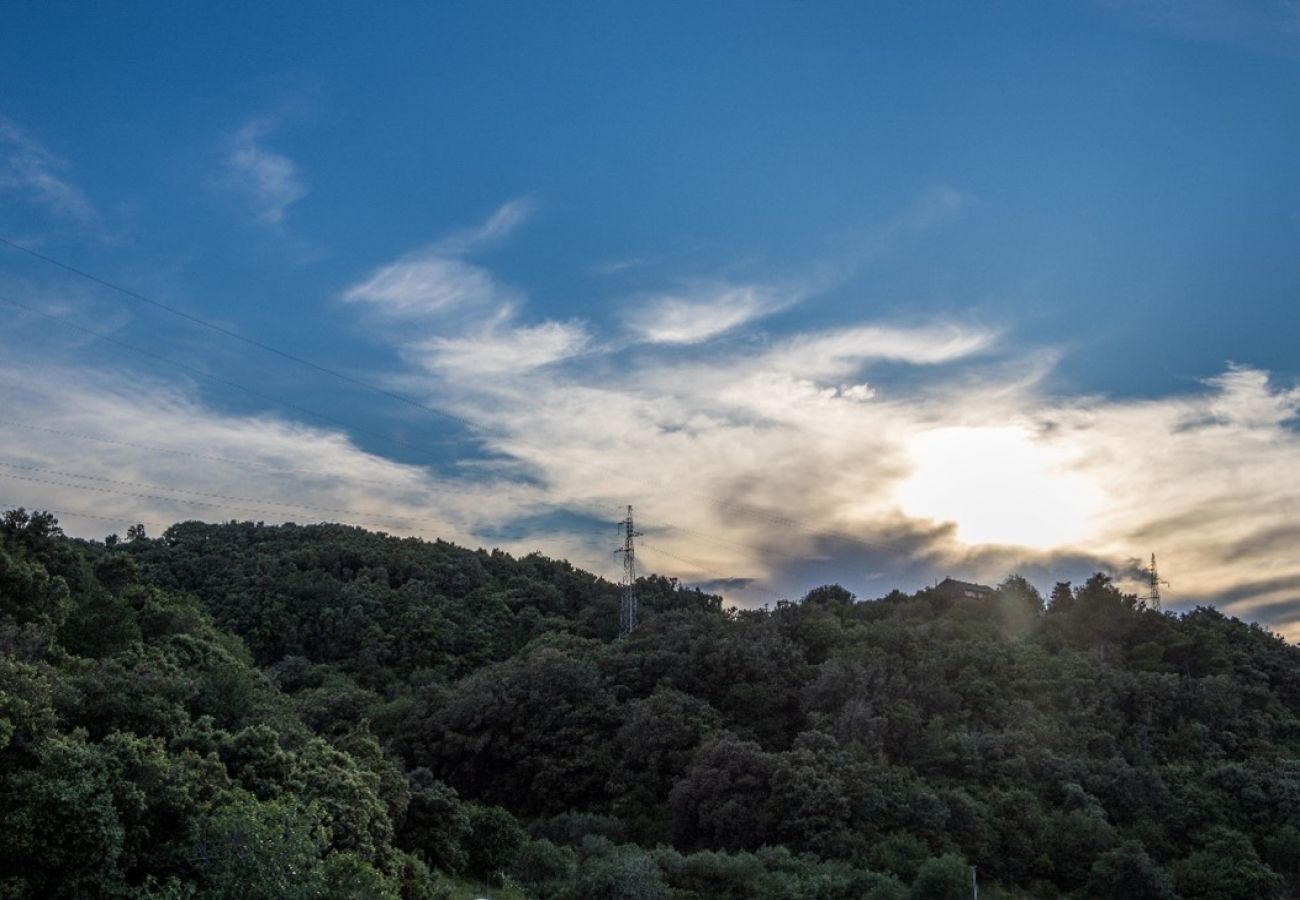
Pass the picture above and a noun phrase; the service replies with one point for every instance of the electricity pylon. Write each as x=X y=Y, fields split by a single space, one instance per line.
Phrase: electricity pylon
x=627 y=608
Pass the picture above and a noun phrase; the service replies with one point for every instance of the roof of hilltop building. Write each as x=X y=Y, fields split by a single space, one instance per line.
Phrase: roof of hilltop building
x=954 y=588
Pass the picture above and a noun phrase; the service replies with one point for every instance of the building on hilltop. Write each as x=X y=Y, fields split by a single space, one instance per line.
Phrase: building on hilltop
x=963 y=590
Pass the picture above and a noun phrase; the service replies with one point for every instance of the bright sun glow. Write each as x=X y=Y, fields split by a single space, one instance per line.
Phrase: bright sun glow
x=998 y=486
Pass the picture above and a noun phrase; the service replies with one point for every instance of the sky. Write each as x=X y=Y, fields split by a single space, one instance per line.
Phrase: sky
x=866 y=293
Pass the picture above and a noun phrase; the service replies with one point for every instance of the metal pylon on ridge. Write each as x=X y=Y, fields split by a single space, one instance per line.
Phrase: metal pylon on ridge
x=1153 y=598
x=627 y=608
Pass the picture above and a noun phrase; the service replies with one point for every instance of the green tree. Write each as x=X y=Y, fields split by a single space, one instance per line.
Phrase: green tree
x=1127 y=871
x=946 y=877
x=436 y=825
x=1226 y=868
x=723 y=802
x=259 y=850
x=493 y=843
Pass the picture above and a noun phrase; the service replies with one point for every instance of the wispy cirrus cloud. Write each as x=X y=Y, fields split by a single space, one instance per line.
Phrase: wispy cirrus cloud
x=29 y=170
x=269 y=180
x=430 y=284
x=503 y=222
x=838 y=352
x=768 y=461
x=437 y=280
x=762 y=466
x=110 y=448
x=702 y=312
x=500 y=349
x=756 y=469
x=455 y=316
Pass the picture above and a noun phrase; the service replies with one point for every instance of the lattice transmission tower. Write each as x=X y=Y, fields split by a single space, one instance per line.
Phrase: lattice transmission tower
x=1153 y=598
x=627 y=608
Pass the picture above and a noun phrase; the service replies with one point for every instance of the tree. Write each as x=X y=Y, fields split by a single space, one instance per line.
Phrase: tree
x=1017 y=605
x=493 y=842
x=657 y=741
x=947 y=877
x=624 y=872
x=437 y=825
x=1226 y=868
x=254 y=850
x=63 y=836
x=535 y=733
x=1127 y=871
x=723 y=801
x=832 y=596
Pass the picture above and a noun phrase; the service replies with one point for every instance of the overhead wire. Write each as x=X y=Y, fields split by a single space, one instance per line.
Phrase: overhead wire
x=257 y=506
x=234 y=335
x=207 y=457
x=811 y=528
x=163 y=487
x=472 y=426
x=127 y=520
x=99 y=335
x=260 y=395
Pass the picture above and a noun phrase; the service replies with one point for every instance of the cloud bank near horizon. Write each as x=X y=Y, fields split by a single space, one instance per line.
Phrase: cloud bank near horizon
x=762 y=463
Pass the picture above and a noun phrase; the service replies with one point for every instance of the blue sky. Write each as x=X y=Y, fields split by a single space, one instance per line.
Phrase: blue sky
x=859 y=292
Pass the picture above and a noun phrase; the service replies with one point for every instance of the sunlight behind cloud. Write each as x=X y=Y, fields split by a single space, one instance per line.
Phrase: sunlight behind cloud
x=999 y=487
x=905 y=449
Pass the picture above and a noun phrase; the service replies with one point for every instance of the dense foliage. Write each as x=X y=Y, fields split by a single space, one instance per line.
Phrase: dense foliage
x=249 y=711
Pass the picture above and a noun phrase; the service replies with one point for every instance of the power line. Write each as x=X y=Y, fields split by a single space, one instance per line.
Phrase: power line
x=130 y=520
x=627 y=612
x=205 y=457
x=217 y=379
x=175 y=490
x=772 y=517
x=252 y=342
x=756 y=553
x=13 y=504
x=117 y=341
x=259 y=507
x=814 y=529
x=136 y=295
x=262 y=508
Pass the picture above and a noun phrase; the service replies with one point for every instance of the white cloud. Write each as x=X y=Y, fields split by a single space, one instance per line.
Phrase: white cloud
x=777 y=464
x=500 y=351
x=436 y=280
x=122 y=448
x=269 y=179
x=429 y=284
x=758 y=467
x=840 y=352
x=703 y=313
x=763 y=459
x=769 y=461
x=27 y=168
x=1209 y=481
x=503 y=222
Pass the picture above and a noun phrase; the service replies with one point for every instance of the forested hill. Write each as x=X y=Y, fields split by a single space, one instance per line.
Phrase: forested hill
x=319 y=711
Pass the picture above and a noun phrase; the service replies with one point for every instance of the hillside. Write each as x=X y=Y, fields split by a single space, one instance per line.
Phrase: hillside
x=321 y=711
